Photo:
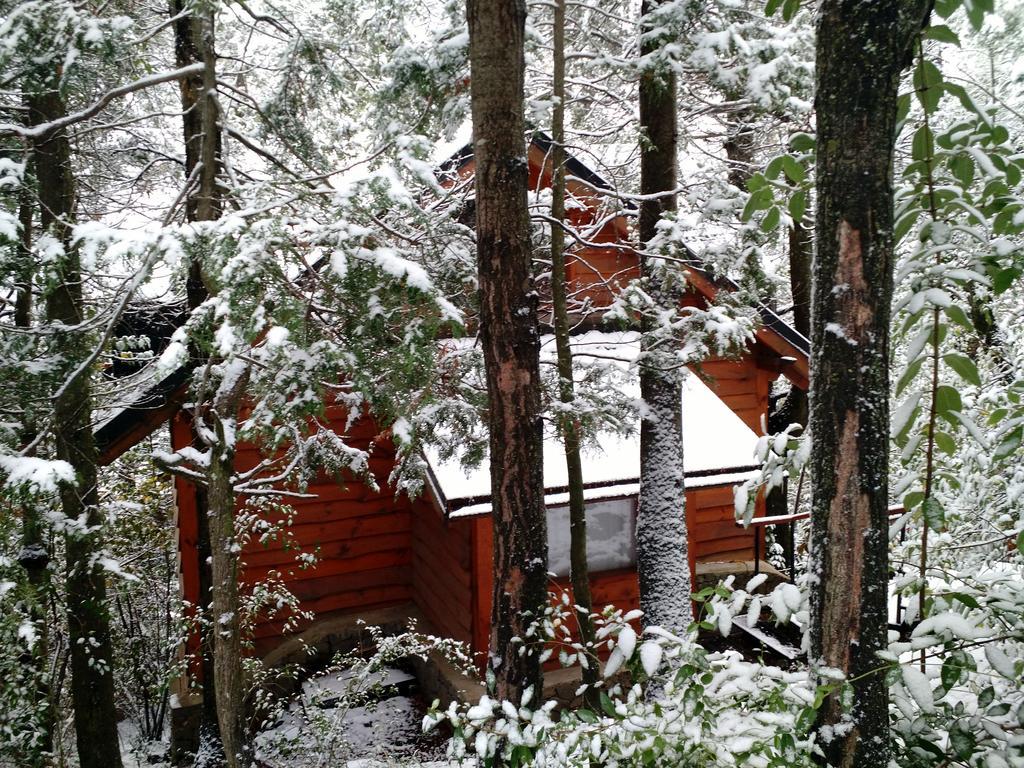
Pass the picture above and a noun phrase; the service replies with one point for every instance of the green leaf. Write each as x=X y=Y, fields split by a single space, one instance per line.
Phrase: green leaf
x=947 y=399
x=964 y=367
x=969 y=601
x=962 y=167
x=586 y=715
x=956 y=313
x=902 y=108
x=943 y=34
x=922 y=146
x=945 y=442
x=1010 y=444
x=950 y=673
x=934 y=514
x=774 y=167
x=789 y=9
x=759 y=201
x=945 y=8
x=976 y=15
x=793 y=169
x=1020 y=542
x=962 y=741
x=908 y=375
x=806 y=719
x=771 y=220
x=757 y=181
x=986 y=696
x=905 y=223
x=912 y=499
x=771 y=7
x=1000 y=135
x=607 y=705
x=802 y=142
x=1013 y=174
x=798 y=205
x=1004 y=279
x=960 y=93
x=928 y=85
x=521 y=755
x=996 y=416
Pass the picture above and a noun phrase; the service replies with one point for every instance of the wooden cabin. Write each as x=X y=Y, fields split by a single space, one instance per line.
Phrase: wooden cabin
x=431 y=556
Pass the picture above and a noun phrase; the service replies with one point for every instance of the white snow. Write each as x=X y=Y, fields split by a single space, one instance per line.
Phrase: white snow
x=650 y=657
x=34 y=474
x=717 y=446
x=917 y=685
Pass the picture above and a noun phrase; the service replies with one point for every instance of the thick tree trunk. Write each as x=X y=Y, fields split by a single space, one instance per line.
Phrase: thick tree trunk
x=661 y=543
x=861 y=50
x=508 y=329
x=579 y=571
x=92 y=680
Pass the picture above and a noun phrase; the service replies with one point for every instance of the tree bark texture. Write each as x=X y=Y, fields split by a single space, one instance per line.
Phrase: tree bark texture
x=92 y=664
x=225 y=619
x=661 y=543
x=508 y=330
x=34 y=556
x=579 y=570
x=194 y=36
x=861 y=49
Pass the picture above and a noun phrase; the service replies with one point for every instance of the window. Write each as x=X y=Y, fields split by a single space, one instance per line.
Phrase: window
x=610 y=542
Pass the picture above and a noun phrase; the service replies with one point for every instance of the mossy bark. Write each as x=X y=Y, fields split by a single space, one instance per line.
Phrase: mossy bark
x=862 y=47
x=91 y=654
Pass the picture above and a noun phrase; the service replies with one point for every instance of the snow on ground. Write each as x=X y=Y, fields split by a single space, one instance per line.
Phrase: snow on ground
x=337 y=721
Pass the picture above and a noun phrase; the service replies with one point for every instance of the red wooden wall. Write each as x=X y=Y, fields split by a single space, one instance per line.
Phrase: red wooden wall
x=363 y=536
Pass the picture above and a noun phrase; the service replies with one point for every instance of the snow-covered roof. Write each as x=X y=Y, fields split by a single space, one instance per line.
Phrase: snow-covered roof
x=718 y=447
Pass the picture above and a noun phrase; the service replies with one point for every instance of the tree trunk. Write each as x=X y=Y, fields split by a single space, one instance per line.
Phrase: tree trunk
x=739 y=149
x=579 y=571
x=194 y=37
x=508 y=329
x=34 y=556
x=222 y=713
x=92 y=680
x=861 y=50
x=194 y=43
x=661 y=544
x=229 y=682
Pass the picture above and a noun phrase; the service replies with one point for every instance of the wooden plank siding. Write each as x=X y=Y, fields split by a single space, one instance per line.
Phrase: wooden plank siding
x=713 y=537
x=362 y=535
x=442 y=571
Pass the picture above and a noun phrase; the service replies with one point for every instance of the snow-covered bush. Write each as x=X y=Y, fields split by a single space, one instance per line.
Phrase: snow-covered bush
x=677 y=704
